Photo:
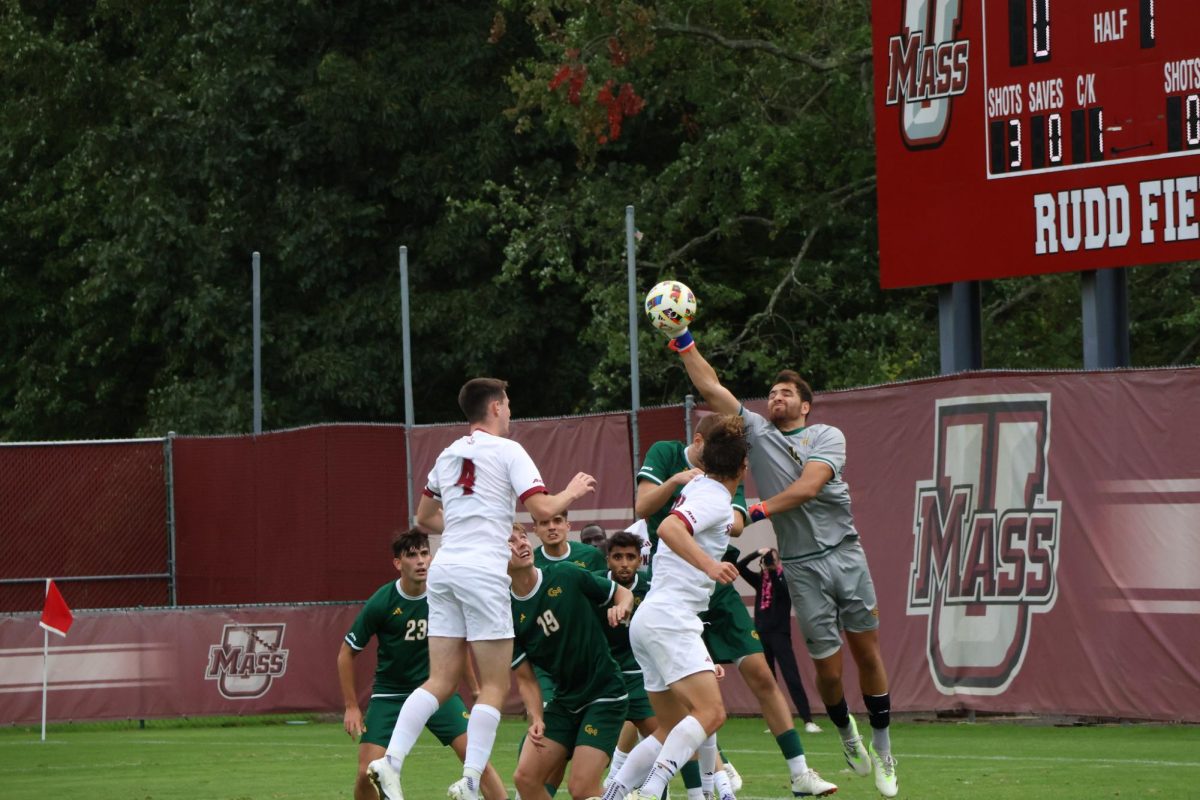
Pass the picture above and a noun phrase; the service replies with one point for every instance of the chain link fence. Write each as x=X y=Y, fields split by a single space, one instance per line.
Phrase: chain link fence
x=93 y=515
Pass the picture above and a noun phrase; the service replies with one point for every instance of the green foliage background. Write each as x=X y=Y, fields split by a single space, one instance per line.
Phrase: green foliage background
x=146 y=149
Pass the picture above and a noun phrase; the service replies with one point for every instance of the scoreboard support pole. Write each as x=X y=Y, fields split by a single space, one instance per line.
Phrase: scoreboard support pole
x=1105 y=318
x=959 y=326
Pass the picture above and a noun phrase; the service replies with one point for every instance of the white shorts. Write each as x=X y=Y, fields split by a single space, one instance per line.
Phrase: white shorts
x=466 y=602
x=668 y=644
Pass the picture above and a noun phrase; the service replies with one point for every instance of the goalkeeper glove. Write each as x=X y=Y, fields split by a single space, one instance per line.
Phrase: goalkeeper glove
x=758 y=511
x=683 y=342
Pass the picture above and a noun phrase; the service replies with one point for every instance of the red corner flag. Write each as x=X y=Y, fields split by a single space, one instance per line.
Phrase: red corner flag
x=56 y=616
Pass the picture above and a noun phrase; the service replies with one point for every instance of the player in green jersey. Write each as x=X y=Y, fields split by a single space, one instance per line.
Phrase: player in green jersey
x=729 y=630
x=557 y=548
x=396 y=615
x=798 y=468
x=624 y=559
x=556 y=627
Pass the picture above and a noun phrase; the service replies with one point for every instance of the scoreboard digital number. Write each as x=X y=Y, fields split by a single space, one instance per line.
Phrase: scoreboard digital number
x=1018 y=137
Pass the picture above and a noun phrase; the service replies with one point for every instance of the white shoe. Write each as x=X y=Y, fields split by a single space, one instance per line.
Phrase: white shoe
x=735 y=780
x=463 y=790
x=885 y=773
x=812 y=727
x=638 y=794
x=385 y=779
x=810 y=784
x=855 y=753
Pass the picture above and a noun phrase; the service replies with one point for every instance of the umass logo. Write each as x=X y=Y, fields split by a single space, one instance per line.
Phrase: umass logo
x=986 y=540
x=246 y=661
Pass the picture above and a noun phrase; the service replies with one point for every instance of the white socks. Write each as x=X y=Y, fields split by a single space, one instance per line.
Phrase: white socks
x=683 y=740
x=481 y=735
x=416 y=711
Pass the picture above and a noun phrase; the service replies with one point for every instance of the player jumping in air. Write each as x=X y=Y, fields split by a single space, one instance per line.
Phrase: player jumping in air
x=470 y=498
x=397 y=615
x=798 y=469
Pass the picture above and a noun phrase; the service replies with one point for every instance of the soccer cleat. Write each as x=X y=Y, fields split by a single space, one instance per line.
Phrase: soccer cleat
x=855 y=753
x=735 y=780
x=638 y=794
x=385 y=779
x=885 y=773
x=462 y=789
x=811 y=727
x=810 y=784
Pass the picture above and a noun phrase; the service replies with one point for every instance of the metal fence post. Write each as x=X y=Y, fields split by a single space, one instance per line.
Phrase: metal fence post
x=169 y=470
x=689 y=407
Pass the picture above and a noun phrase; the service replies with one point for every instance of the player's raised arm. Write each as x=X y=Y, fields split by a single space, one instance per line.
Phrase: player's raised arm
x=704 y=377
x=544 y=506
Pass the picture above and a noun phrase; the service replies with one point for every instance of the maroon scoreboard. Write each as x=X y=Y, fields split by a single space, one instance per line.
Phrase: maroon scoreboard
x=1018 y=137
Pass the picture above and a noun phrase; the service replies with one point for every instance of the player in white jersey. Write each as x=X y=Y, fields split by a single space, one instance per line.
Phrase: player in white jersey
x=798 y=469
x=666 y=633
x=470 y=499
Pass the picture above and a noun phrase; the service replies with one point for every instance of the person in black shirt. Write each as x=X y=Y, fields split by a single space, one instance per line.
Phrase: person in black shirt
x=773 y=619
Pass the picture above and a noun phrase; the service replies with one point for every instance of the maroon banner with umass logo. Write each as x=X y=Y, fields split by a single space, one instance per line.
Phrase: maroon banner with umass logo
x=164 y=663
x=1034 y=539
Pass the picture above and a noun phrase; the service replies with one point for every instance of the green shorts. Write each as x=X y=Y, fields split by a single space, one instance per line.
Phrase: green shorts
x=639 y=702
x=447 y=723
x=597 y=725
x=729 y=631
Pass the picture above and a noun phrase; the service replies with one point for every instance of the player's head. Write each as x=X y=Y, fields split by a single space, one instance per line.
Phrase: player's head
x=410 y=554
x=624 y=556
x=518 y=527
x=789 y=400
x=594 y=535
x=552 y=530
x=705 y=426
x=725 y=448
x=483 y=400
x=520 y=552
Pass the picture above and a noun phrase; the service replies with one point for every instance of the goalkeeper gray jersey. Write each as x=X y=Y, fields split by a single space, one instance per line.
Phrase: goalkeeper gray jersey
x=776 y=461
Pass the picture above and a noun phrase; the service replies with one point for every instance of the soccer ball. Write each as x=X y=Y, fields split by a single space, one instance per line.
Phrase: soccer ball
x=671 y=307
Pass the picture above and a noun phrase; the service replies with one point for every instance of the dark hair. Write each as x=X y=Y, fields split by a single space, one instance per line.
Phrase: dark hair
x=624 y=539
x=793 y=377
x=725 y=447
x=411 y=541
x=477 y=393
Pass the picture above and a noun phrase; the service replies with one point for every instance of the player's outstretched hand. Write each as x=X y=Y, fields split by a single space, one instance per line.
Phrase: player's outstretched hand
x=684 y=477
x=722 y=572
x=581 y=485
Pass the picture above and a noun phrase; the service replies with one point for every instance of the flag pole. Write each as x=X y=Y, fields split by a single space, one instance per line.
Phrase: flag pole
x=45 y=667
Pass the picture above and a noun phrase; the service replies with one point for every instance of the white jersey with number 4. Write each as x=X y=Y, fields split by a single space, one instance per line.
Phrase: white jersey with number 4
x=704 y=508
x=478 y=480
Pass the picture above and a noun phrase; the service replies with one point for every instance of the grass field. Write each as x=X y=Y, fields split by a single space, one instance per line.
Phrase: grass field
x=266 y=759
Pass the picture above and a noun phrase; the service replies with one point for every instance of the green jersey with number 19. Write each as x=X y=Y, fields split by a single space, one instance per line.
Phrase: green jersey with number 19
x=556 y=627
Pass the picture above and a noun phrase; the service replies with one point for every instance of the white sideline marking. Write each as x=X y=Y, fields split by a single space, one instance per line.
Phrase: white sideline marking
x=903 y=754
